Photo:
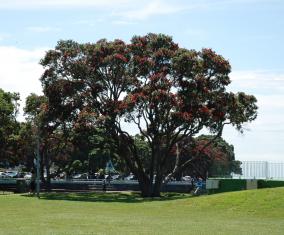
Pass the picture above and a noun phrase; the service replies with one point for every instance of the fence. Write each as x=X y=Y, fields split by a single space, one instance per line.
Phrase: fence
x=96 y=185
x=261 y=170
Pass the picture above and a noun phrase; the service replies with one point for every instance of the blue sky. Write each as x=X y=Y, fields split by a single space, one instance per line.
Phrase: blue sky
x=247 y=32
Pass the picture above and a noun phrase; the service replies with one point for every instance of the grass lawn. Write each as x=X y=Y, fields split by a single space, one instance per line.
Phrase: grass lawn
x=245 y=212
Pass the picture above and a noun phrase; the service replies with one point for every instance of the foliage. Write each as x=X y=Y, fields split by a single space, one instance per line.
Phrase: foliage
x=217 y=159
x=229 y=185
x=168 y=92
x=8 y=125
x=26 y=145
x=54 y=146
x=269 y=183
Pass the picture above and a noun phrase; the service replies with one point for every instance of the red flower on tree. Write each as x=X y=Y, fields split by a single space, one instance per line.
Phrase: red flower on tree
x=121 y=57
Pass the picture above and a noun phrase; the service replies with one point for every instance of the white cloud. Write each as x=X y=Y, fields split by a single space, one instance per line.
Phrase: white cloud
x=4 y=36
x=274 y=75
x=90 y=22
x=192 y=32
x=268 y=88
x=122 y=22
x=261 y=82
x=152 y=8
x=265 y=136
x=43 y=29
x=124 y=9
x=129 y=9
x=36 y=4
x=271 y=102
x=146 y=8
x=138 y=9
x=20 y=71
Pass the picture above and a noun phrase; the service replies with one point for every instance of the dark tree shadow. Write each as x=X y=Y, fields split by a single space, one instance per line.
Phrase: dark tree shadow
x=124 y=197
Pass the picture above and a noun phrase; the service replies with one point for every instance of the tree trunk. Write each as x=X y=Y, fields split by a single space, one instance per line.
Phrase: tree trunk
x=157 y=186
x=144 y=184
x=47 y=168
x=151 y=186
x=146 y=189
x=149 y=189
x=159 y=164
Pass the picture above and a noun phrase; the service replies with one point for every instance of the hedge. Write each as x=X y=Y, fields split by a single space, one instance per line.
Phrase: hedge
x=269 y=183
x=228 y=185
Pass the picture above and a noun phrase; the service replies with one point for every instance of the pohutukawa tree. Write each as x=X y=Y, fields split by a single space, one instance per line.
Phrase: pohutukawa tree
x=217 y=159
x=169 y=92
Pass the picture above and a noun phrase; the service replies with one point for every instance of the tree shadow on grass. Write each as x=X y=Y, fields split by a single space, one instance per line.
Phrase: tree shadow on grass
x=109 y=197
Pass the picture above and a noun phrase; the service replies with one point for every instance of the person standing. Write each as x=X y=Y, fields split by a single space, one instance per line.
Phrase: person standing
x=104 y=185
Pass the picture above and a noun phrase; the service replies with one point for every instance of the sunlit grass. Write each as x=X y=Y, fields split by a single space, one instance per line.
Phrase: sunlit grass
x=245 y=212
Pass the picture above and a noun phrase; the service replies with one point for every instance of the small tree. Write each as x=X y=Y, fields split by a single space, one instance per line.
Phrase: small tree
x=169 y=92
x=53 y=145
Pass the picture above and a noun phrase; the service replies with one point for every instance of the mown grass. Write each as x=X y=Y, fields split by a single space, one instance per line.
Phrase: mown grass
x=245 y=212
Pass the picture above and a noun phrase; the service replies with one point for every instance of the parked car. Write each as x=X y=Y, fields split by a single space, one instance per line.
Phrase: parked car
x=12 y=174
x=28 y=176
x=21 y=175
x=131 y=177
x=80 y=176
x=2 y=175
x=115 y=177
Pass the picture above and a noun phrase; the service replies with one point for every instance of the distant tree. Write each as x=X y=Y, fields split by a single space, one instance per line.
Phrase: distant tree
x=217 y=159
x=62 y=144
x=8 y=125
x=54 y=147
x=221 y=157
x=26 y=145
x=169 y=93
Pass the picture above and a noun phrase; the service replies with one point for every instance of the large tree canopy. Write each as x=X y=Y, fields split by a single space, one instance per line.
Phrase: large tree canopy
x=170 y=93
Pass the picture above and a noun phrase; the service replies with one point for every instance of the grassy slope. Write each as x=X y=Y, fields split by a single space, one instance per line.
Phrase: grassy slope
x=245 y=212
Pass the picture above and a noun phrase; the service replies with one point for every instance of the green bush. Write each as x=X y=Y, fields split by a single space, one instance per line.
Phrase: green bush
x=228 y=185
x=269 y=183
